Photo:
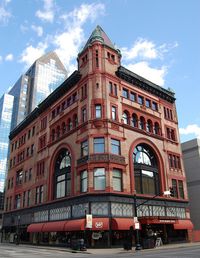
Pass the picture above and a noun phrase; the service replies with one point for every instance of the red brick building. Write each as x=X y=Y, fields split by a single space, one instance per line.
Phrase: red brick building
x=102 y=143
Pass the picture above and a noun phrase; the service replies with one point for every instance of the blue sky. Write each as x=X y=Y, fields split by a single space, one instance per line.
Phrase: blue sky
x=159 y=39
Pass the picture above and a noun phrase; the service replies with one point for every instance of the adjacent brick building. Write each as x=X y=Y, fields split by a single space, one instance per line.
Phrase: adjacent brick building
x=102 y=138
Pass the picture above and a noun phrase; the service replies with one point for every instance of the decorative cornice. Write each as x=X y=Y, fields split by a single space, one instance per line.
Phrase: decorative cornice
x=144 y=84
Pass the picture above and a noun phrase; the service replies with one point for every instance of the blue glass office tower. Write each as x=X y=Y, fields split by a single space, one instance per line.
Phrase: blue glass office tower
x=43 y=77
x=6 y=107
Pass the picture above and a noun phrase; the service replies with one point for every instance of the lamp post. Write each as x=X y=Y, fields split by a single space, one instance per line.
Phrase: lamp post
x=137 y=237
x=18 y=222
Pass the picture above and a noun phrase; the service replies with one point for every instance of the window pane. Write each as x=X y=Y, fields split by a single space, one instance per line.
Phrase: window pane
x=125 y=93
x=117 y=180
x=84 y=181
x=115 y=147
x=98 y=111
x=99 y=179
x=99 y=145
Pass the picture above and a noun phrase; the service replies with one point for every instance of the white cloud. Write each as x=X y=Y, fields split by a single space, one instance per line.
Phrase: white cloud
x=9 y=57
x=5 y=15
x=30 y=54
x=38 y=30
x=155 y=75
x=141 y=48
x=1 y=59
x=190 y=129
x=47 y=14
x=70 y=39
x=69 y=42
x=139 y=59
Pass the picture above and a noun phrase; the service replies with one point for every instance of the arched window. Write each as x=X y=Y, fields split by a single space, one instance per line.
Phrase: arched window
x=62 y=178
x=134 y=120
x=63 y=128
x=69 y=124
x=142 y=123
x=75 y=120
x=125 y=117
x=149 y=126
x=156 y=128
x=146 y=170
x=53 y=133
x=58 y=131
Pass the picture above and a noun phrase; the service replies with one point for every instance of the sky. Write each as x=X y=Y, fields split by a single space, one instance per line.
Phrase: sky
x=158 y=39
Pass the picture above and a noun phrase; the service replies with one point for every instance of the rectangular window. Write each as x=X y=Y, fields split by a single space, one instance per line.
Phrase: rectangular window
x=115 y=147
x=99 y=179
x=84 y=115
x=28 y=198
x=154 y=106
x=114 y=113
x=84 y=148
x=99 y=145
x=181 y=190
x=148 y=103
x=140 y=100
x=33 y=131
x=110 y=87
x=115 y=90
x=98 y=111
x=132 y=96
x=84 y=181
x=17 y=201
x=125 y=93
x=43 y=123
x=19 y=177
x=174 y=186
x=117 y=180
x=24 y=199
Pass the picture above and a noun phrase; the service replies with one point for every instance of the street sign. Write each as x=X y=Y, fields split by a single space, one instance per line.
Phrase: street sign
x=137 y=225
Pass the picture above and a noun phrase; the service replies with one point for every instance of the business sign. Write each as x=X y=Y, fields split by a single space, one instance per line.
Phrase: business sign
x=88 y=221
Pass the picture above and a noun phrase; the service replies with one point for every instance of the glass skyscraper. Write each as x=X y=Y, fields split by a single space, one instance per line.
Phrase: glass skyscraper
x=6 y=107
x=43 y=77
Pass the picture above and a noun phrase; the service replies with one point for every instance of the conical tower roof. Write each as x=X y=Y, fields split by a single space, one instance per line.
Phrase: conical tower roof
x=99 y=35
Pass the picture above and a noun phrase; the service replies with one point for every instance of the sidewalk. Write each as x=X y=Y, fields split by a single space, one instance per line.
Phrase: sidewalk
x=109 y=251
x=121 y=250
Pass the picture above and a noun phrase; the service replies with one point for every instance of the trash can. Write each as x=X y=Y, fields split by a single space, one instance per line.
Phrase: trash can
x=148 y=243
x=78 y=244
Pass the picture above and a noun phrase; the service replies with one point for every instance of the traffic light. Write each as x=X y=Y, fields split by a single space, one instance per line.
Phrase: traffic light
x=171 y=191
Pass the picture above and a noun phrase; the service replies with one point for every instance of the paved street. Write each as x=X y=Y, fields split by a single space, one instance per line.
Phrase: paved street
x=23 y=251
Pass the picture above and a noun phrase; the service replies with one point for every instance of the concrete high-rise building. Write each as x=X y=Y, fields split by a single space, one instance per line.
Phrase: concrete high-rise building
x=191 y=158
x=40 y=80
x=6 y=107
x=102 y=149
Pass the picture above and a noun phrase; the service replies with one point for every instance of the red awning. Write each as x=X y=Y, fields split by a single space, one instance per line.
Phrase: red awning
x=100 y=224
x=37 y=227
x=183 y=224
x=157 y=221
x=54 y=226
x=74 y=225
x=122 y=223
